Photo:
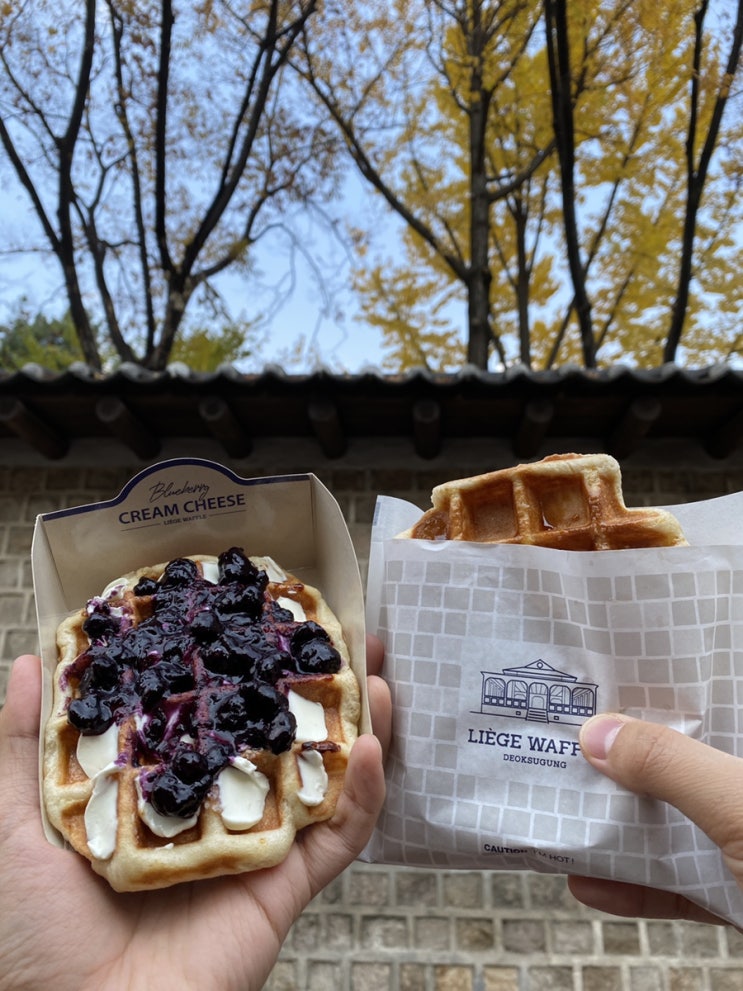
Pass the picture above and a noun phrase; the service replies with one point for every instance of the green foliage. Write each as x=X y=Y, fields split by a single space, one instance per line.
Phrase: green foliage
x=50 y=343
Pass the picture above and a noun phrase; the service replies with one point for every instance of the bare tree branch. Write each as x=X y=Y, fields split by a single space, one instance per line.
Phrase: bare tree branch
x=697 y=173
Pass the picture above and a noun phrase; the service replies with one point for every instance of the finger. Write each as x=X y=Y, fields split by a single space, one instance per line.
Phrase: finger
x=19 y=738
x=637 y=901
x=380 y=705
x=330 y=847
x=705 y=784
x=19 y=716
x=374 y=654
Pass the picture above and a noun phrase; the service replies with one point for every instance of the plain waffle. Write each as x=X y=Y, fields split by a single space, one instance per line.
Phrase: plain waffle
x=566 y=501
x=294 y=787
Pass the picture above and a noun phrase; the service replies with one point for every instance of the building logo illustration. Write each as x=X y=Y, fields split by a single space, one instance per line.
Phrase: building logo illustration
x=539 y=693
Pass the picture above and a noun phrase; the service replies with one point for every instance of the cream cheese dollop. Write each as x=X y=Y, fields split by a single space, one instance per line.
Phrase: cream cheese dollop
x=310 y=718
x=94 y=752
x=242 y=794
x=210 y=571
x=101 y=816
x=96 y=755
x=272 y=569
x=314 y=778
x=113 y=589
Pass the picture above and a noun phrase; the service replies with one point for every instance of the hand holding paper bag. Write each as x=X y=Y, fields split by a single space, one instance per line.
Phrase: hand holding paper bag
x=501 y=652
x=703 y=783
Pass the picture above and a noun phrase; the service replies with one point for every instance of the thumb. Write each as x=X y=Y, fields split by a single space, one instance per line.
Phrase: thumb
x=331 y=849
x=704 y=784
x=19 y=739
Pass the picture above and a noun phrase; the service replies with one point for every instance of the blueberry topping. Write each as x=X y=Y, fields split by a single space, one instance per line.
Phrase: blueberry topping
x=100 y=624
x=217 y=755
x=229 y=712
x=203 y=672
x=317 y=657
x=153 y=731
x=151 y=687
x=142 y=644
x=236 y=566
x=206 y=626
x=102 y=673
x=244 y=600
x=146 y=586
x=182 y=571
x=277 y=613
x=189 y=765
x=176 y=649
x=280 y=731
x=178 y=677
x=218 y=658
x=307 y=631
x=172 y=797
x=270 y=667
x=90 y=715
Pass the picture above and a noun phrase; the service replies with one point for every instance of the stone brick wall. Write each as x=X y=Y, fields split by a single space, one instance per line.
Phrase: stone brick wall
x=378 y=928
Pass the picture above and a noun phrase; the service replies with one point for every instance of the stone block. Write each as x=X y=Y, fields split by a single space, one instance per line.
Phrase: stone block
x=432 y=933
x=366 y=977
x=572 y=936
x=501 y=979
x=602 y=979
x=524 y=936
x=384 y=932
x=416 y=888
x=621 y=937
x=686 y=979
x=549 y=979
x=474 y=935
x=453 y=978
x=463 y=889
x=369 y=888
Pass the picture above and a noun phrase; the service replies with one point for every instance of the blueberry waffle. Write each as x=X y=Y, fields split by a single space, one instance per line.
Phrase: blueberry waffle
x=566 y=501
x=203 y=712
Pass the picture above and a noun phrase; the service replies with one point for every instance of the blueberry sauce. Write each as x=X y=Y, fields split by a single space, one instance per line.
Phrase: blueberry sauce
x=201 y=674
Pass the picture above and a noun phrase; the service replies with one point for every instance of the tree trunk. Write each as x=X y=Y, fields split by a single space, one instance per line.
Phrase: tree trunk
x=65 y=244
x=157 y=358
x=479 y=336
x=558 y=53
x=522 y=284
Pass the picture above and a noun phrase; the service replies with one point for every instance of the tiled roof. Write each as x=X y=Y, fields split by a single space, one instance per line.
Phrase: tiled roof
x=618 y=406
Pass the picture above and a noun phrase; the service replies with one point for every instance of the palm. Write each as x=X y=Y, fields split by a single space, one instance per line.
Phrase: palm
x=169 y=934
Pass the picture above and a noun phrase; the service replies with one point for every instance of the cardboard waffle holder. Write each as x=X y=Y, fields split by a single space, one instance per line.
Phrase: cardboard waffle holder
x=193 y=506
x=496 y=654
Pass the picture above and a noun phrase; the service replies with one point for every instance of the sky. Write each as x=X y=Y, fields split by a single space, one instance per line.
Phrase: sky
x=330 y=326
x=334 y=333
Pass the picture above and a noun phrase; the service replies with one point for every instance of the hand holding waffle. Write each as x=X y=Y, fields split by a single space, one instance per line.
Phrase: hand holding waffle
x=62 y=926
x=203 y=713
x=575 y=503
x=658 y=762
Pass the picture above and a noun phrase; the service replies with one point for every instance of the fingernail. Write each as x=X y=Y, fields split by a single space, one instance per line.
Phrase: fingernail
x=599 y=733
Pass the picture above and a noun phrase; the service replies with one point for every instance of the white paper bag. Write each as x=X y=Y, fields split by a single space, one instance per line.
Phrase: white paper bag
x=496 y=654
